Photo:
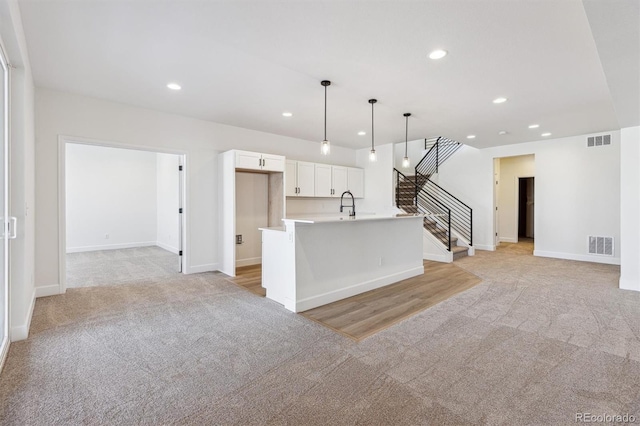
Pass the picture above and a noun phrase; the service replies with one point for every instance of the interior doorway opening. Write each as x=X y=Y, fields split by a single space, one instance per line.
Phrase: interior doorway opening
x=526 y=211
x=123 y=214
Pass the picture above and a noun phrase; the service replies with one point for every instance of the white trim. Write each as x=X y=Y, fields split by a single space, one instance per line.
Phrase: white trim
x=166 y=247
x=21 y=332
x=248 y=261
x=62 y=224
x=438 y=257
x=342 y=293
x=484 y=247
x=508 y=240
x=578 y=257
x=48 y=290
x=111 y=247
x=197 y=269
x=627 y=284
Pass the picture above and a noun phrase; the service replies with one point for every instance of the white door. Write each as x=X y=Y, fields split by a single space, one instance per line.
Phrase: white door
x=8 y=230
x=305 y=174
x=291 y=179
x=339 y=180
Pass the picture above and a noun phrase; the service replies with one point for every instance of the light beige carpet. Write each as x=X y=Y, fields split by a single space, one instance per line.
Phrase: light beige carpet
x=121 y=266
x=535 y=343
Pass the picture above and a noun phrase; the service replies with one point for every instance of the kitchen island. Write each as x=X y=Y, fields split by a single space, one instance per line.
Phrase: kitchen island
x=312 y=261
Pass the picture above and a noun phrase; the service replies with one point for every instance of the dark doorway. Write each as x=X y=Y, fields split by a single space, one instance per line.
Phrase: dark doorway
x=525 y=207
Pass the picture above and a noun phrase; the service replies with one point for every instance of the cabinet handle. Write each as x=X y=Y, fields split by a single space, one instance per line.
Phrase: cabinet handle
x=263 y=162
x=259 y=162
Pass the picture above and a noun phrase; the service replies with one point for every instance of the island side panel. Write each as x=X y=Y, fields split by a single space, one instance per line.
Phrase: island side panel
x=336 y=260
x=278 y=266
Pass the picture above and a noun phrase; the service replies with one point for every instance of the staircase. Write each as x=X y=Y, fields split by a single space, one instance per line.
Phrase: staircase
x=447 y=218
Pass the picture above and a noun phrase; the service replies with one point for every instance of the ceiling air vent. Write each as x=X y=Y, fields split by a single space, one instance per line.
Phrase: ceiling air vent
x=599 y=140
x=601 y=245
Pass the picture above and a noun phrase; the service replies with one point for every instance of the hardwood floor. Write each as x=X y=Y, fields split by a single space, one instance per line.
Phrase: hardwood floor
x=250 y=277
x=363 y=315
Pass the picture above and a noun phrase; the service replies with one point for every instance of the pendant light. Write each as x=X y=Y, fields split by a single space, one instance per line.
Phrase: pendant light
x=405 y=161
x=325 y=147
x=372 y=153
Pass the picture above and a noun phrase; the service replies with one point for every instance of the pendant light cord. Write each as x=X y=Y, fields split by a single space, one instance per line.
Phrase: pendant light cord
x=325 y=113
x=406 y=135
x=372 y=145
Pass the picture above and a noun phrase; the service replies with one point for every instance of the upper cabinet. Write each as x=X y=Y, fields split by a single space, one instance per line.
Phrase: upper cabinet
x=322 y=180
x=257 y=161
x=300 y=178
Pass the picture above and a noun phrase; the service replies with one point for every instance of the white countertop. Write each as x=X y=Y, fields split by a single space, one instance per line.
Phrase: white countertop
x=347 y=218
x=273 y=228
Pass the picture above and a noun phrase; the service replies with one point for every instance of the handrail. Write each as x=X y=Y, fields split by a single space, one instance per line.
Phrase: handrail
x=438 y=211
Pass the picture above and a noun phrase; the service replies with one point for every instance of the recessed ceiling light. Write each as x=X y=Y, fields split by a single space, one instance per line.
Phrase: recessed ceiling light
x=287 y=114
x=502 y=132
x=471 y=137
x=534 y=126
x=546 y=134
x=438 y=54
x=174 y=86
x=361 y=133
x=499 y=100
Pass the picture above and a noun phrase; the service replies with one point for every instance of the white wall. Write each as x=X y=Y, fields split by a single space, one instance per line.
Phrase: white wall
x=83 y=117
x=110 y=198
x=379 y=185
x=22 y=168
x=511 y=168
x=630 y=208
x=252 y=204
x=414 y=151
x=577 y=193
x=168 y=192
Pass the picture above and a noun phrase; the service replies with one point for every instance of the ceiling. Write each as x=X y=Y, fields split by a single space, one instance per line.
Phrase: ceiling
x=244 y=63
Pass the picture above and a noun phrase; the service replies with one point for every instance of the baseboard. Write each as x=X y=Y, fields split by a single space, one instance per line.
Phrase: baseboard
x=627 y=284
x=48 y=290
x=342 y=293
x=21 y=332
x=249 y=261
x=578 y=257
x=508 y=240
x=110 y=247
x=209 y=267
x=484 y=247
x=438 y=257
x=4 y=351
x=167 y=247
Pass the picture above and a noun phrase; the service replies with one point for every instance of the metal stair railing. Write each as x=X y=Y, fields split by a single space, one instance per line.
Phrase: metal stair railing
x=423 y=202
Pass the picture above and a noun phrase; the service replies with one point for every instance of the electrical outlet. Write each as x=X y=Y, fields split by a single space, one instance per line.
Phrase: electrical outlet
x=106 y=236
x=239 y=239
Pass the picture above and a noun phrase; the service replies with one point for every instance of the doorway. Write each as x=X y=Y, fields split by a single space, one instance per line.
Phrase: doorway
x=122 y=209
x=526 y=198
x=8 y=231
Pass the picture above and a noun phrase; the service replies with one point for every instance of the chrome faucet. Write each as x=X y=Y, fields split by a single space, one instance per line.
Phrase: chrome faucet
x=352 y=213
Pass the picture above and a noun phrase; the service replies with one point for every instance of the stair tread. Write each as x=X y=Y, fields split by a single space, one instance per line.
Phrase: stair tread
x=457 y=249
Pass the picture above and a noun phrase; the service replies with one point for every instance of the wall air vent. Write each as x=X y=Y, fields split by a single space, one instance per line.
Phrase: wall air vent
x=601 y=245
x=598 y=140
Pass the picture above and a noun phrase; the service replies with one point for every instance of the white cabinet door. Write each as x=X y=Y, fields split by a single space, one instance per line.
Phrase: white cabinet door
x=323 y=180
x=306 y=179
x=356 y=182
x=339 y=180
x=248 y=160
x=272 y=163
x=290 y=179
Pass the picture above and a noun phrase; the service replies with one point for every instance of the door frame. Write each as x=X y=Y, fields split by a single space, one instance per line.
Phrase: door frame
x=5 y=339
x=63 y=140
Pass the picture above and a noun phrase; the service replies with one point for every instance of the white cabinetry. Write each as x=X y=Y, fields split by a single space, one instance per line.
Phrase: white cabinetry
x=322 y=180
x=257 y=161
x=299 y=177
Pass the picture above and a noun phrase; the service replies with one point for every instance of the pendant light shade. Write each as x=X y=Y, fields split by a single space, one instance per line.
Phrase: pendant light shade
x=325 y=148
x=405 y=161
x=372 y=154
